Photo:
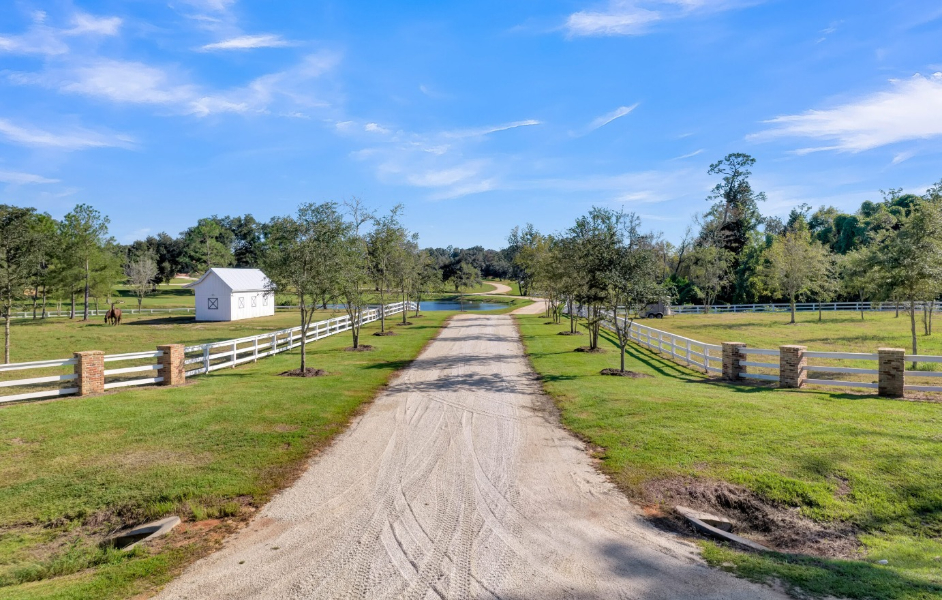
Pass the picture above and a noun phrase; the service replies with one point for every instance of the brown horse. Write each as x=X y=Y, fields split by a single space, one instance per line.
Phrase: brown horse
x=113 y=315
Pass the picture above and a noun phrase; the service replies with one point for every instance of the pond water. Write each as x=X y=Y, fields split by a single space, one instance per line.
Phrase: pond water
x=435 y=305
x=454 y=305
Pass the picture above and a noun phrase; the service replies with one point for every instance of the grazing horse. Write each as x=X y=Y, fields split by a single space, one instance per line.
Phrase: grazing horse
x=113 y=315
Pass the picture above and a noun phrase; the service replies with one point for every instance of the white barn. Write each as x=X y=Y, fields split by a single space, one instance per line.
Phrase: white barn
x=232 y=294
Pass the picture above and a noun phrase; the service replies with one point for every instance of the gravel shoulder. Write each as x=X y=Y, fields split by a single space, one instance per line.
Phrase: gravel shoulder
x=457 y=482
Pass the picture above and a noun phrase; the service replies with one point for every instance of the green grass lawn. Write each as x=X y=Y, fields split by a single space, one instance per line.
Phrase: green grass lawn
x=839 y=331
x=211 y=451
x=838 y=459
x=59 y=338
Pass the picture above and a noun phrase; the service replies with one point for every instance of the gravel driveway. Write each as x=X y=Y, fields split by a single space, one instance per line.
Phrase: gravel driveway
x=457 y=483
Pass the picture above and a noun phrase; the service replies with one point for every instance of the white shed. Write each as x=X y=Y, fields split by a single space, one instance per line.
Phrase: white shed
x=232 y=294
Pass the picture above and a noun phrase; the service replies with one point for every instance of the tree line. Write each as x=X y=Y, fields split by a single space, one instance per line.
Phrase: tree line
x=888 y=250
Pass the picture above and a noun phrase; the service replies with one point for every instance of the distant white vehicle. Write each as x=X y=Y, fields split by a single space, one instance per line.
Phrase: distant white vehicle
x=232 y=295
x=657 y=311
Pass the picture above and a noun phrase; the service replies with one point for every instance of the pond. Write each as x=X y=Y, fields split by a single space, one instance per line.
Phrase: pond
x=432 y=305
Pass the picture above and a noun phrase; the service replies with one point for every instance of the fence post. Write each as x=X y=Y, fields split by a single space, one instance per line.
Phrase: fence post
x=732 y=354
x=171 y=363
x=255 y=351
x=235 y=353
x=791 y=366
x=206 y=358
x=892 y=369
x=290 y=339
x=688 y=352
x=90 y=369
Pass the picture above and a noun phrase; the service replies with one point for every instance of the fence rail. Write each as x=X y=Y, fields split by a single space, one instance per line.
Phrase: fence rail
x=799 y=307
x=789 y=371
x=61 y=314
x=143 y=370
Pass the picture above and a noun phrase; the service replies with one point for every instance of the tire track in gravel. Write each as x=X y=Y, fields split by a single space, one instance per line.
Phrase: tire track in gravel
x=457 y=482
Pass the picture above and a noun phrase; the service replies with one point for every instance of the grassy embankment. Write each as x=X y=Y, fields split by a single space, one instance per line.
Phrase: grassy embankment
x=848 y=463
x=211 y=451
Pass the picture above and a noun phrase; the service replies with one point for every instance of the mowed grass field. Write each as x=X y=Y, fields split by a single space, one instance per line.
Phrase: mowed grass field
x=824 y=463
x=839 y=331
x=212 y=451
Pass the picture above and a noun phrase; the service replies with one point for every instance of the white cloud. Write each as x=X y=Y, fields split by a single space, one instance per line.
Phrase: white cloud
x=623 y=20
x=50 y=41
x=138 y=83
x=910 y=110
x=17 y=178
x=443 y=177
x=83 y=23
x=691 y=155
x=75 y=139
x=629 y=17
x=248 y=42
x=375 y=128
x=481 y=131
x=605 y=119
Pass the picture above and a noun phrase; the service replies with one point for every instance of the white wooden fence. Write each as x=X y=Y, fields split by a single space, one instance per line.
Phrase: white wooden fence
x=61 y=314
x=680 y=349
x=799 y=307
x=209 y=357
x=764 y=363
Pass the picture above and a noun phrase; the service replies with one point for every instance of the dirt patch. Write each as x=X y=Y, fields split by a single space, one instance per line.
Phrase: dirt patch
x=417 y=317
x=383 y=333
x=404 y=324
x=590 y=350
x=570 y=333
x=782 y=528
x=620 y=373
x=360 y=348
x=308 y=372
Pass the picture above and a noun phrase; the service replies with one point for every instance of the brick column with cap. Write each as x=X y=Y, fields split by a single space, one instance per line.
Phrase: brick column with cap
x=791 y=365
x=90 y=369
x=892 y=369
x=732 y=354
x=172 y=365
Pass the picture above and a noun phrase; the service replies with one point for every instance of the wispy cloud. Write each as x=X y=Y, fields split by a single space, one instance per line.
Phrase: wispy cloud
x=481 y=131
x=634 y=17
x=73 y=139
x=128 y=82
x=248 y=42
x=910 y=110
x=44 y=39
x=17 y=178
x=607 y=118
x=691 y=155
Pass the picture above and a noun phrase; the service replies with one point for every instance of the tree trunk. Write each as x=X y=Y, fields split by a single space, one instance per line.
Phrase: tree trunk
x=912 y=322
x=791 y=302
x=44 y=301
x=623 y=356
x=6 y=333
x=72 y=307
x=304 y=320
x=897 y=310
x=35 y=300
x=85 y=308
x=382 y=310
x=819 y=312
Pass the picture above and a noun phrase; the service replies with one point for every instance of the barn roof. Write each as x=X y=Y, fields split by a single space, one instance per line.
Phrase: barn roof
x=238 y=280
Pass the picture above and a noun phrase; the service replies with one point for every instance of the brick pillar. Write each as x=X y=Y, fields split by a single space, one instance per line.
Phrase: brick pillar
x=172 y=364
x=791 y=364
x=892 y=367
x=731 y=357
x=90 y=368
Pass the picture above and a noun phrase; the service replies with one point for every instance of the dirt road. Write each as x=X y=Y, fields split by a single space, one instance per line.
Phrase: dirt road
x=499 y=289
x=457 y=483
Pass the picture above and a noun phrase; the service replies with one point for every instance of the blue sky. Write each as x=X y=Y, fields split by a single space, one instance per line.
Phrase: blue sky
x=475 y=115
